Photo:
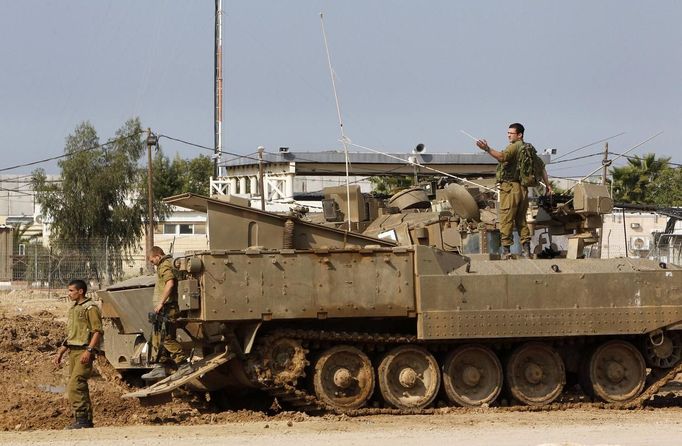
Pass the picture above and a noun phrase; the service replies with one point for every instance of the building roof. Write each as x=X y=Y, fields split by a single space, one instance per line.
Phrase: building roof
x=333 y=163
x=335 y=156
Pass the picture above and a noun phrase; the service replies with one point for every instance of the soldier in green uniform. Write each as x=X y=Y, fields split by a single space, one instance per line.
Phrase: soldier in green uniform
x=166 y=306
x=84 y=334
x=513 y=196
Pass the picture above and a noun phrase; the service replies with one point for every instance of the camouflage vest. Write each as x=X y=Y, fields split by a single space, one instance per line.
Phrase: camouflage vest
x=78 y=330
x=508 y=171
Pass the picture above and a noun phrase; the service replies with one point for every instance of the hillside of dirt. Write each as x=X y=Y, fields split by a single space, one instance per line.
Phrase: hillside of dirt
x=32 y=326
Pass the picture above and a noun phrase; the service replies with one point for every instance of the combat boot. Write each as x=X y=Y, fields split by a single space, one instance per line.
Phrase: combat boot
x=184 y=369
x=526 y=250
x=80 y=423
x=157 y=373
x=506 y=253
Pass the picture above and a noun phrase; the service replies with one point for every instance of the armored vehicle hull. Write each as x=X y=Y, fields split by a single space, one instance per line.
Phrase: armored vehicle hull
x=349 y=326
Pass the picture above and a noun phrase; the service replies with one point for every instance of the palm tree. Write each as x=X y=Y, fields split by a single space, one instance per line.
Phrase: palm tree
x=632 y=182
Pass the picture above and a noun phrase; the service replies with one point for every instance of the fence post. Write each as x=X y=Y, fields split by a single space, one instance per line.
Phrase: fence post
x=106 y=262
x=35 y=263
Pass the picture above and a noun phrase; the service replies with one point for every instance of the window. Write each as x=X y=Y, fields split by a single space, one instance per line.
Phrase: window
x=180 y=229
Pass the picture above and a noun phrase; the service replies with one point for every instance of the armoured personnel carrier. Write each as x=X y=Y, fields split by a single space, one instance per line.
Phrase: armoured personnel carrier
x=324 y=318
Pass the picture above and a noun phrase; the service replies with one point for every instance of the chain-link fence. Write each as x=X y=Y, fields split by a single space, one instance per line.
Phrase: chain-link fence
x=37 y=266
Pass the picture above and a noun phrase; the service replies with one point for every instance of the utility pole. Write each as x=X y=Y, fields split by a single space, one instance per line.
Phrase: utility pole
x=152 y=140
x=605 y=165
x=218 y=88
x=261 y=187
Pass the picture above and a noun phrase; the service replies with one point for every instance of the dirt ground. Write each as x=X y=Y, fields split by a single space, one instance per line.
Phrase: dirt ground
x=34 y=407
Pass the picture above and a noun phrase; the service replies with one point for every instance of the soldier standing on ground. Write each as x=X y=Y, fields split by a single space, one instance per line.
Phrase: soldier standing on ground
x=84 y=333
x=513 y=196
x=165 y=306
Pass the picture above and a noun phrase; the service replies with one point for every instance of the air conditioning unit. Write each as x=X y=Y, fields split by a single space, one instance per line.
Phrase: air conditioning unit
x=639 y=243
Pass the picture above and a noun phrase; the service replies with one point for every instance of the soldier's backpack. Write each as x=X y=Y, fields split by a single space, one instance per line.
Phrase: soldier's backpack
x=531 y=167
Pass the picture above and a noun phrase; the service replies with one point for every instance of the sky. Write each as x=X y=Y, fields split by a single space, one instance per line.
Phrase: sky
x=407 y=72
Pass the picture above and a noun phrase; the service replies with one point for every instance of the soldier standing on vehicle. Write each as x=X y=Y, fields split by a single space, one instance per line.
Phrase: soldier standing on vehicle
x=513 y=195
x=84 y=333
x=165 y=307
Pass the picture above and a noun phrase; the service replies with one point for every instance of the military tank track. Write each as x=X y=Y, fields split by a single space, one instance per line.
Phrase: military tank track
x=292 y=396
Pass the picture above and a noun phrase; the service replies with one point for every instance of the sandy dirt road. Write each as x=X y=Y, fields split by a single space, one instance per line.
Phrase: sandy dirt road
x=590 y=427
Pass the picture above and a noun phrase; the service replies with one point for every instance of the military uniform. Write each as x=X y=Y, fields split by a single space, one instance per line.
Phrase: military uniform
x=513 y=197
x=84 y=320
x=165 y=272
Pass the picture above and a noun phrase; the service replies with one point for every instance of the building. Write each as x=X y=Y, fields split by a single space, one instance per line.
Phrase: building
x=286 y=173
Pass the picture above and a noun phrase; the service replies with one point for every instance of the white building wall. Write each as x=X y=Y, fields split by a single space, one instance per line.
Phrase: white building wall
x=316 y=184
x=637 y=225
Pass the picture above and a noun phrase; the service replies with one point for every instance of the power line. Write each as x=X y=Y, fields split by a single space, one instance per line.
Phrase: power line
x=576 y=158
x=571 y=167
x=99 y=146
x=16 y=191
x=249 y=157
x=212 y=149
x=588 y=145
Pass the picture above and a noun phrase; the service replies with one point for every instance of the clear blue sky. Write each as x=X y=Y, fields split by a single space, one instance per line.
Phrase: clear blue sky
x=408 y=72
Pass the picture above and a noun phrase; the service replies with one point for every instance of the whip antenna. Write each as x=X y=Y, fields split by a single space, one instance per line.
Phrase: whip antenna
x=344 y=140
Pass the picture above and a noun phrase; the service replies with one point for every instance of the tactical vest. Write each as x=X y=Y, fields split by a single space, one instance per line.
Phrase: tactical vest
x=508 y=171
x=165 y=263
x=77 y=327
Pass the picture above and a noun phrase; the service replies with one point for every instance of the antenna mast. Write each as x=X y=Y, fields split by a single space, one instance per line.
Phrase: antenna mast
x=218 y=88
x=344 y=139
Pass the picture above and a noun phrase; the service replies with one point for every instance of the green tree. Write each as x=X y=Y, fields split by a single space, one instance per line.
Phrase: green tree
x=92 y=211
x=666 y=190
x=164 y=184
x=632 y=182
x=174 y=177
x=390 y=184
x=194 y=175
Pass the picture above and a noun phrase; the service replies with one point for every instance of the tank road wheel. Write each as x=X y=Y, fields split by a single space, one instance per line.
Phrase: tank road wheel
x=409 y=377
x=344 y=377
x=283 y=359
x=472 y=376
x=663 y=351
x=617 y=372
x=535 y=374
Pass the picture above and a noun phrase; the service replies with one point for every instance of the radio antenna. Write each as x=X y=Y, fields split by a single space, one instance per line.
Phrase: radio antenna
x=344 y=140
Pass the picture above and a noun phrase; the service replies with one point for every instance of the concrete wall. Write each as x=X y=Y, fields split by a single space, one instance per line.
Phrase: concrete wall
x=5 y=254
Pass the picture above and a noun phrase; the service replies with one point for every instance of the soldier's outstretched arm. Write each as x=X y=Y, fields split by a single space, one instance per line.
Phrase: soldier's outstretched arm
x=483 y=145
